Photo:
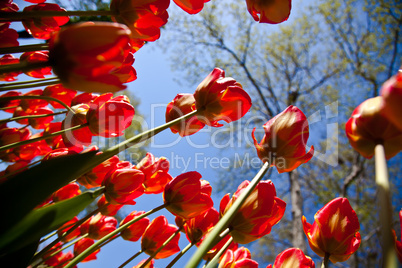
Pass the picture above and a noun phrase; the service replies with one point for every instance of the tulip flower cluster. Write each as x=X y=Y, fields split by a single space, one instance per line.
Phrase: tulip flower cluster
x=70 y=172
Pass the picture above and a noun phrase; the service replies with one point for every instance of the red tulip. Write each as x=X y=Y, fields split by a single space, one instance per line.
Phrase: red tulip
x=83 y=98
x=108 y=116
x=181 y=105
x=186 y=196
x=42 y=28
x=15 y=168
x=61 y=259
x=57 y=153
x=191 y=6
x=107 y=209
x=11 y=103
x=158 y=231
x=200 y=225
x=255 y=218
x=8 y=6
x=136 y=230
x=67 y=226
x=215 y=249
x=271 y=11
x=149 y=265
x=239 y=258
x=368 y=127
x=335 y=230
x=156 y=173
x=60 y=93
x=82 y=136
x=5 y=60
x=82 y=245
x=144 y=18
x=30 y=105
x=67 y=192
x=219 y=98
x=8 y=37
x=284 y=142
x=293 y=257
x=85 y=55
x=41 y=122
x=391 y=92
x=398 y=244
x=122 y=186
x=37 y=57
x=98 y=226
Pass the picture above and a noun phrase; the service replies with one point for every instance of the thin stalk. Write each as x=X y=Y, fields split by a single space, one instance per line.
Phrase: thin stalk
x=22 y=67
x=385 y=207
x=18 y=170
x=160 y=248
x=2 y=121
x=224 y=222
x=19 y=16
x=215 y=259
x=325 y=262
x=39 y=84
x=92 y=248
x=10 y=107
x=181 y=253
x=48 y=237
x=69 y=231
x=131 y=258
x=6 y=99
x=28 y=82
x=25 y=48
x=65 y=246
x=20 y=143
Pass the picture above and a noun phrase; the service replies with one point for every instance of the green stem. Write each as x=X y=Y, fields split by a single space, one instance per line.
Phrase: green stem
x=20 y=143
x=224 y=222
x=7 y=99
x=34 y=81
x=325 y=262
x=131 y=258
x=385 y=207
x=30 y=117
x=22 y=67
x=160 y=248
x=69 y=231
x=25 y=48
x=48 y=237
x=19 y=16
x=92 y=248
x=215 y=259
x=65 y=246
x=32 y=85
x=181 y=253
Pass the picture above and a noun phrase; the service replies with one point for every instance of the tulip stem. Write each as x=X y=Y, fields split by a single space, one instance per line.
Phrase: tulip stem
x=2 y=121
x=92 y=248
x=24 y=142
x=34 y=81
x=8 y=87
x=325 y=262
x=224 y=222
x=25 y=48
x=215 y=260
x=181 y=253
x=24 y=15
x=6 y=99
x=22 y=67
x=385 y=207
x=131 y=258
x=161 y=247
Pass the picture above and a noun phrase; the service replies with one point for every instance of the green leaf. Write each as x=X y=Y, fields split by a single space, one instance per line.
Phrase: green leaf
x=19 y=195
x=44 y=220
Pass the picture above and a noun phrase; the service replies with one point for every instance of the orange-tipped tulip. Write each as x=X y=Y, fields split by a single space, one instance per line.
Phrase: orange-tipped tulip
x=255 y=218
x=269 y=11
x=198 y=226
x=391 y=92
x=239 y=258
x=220 y=98
x=368 y=127
x=191 y=6
x=335 y=230
x=82 y=245
x=136 y=230
x=284 y=142
x=293 y=257
x=187 y=196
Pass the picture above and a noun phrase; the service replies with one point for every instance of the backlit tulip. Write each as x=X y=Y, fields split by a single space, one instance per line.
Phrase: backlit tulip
x=108 y=116
x=157 y=232
x=12 y=103
x=98 y=226
x=191 y=6
x=8 y=6
x=398 y=244
x=284 y=142
x=81 y=136
x=149 y=265
x=255 y=218
x=195 y=228
x=107 y=209
x=186 y=196
x=220 y=98
x=67 y=226
x=144 y=18
x=30 y=105
x=156 y=173
x=41 y=122
x=335 y=230
x=368 y=127
x=83 y=98
x=5 y=60
x=122 y=186
x=37 y=57
x=269 y=11
x=239 y=258
x=66 y=192
x=85 y=55
x=8 y=37
x=391 y=92
x=82 y=245
x=42 y=28
x=61 y=93
x=181 y=105
x=136 y=230
x=292 y=257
